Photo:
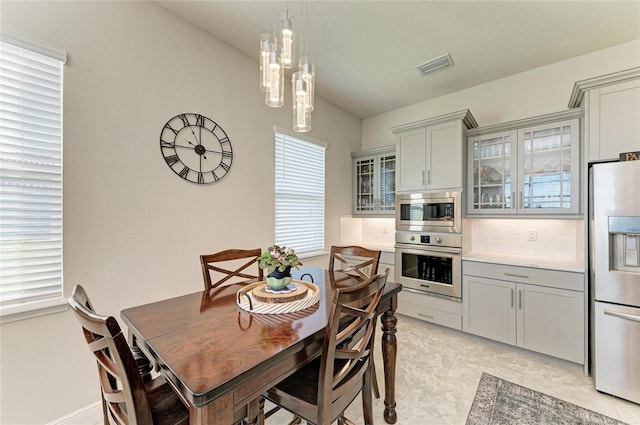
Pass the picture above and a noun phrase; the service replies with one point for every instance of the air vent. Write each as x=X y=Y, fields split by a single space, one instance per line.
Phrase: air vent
x=433 y=65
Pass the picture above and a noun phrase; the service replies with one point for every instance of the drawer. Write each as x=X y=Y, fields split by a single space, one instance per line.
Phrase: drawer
x=534 y=276
x=430 y=309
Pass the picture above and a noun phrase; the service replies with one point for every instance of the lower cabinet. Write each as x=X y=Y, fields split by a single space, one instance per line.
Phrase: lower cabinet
x=429 y=308
x=546 y=315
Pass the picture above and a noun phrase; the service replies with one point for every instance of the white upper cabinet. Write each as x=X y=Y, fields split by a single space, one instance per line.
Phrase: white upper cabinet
x=374 y=181
x=612 y=113
x=525 y=167
x=430 y=152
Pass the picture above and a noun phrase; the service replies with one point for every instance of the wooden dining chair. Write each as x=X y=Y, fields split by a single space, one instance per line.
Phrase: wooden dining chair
x=322 y=390
x=229 y=268
x=354 y=260
x=126 y=399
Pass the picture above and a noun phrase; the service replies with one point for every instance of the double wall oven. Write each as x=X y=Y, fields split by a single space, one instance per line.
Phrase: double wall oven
x=429 y=243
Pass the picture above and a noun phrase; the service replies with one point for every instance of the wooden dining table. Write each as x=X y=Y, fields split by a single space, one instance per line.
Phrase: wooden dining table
x=220 y=358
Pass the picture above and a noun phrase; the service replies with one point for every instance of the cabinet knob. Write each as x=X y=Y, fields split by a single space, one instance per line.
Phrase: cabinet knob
x=439 y=239
x=412 y=238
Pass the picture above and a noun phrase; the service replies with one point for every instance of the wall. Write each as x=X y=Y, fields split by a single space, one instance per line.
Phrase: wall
x=537 y=92
x=133 y=230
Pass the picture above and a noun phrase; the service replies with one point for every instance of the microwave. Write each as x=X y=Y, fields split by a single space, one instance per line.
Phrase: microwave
x=429 y=212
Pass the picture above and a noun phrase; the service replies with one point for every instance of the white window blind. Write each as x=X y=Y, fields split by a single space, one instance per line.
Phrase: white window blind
x=299 y=191
x=30 y=172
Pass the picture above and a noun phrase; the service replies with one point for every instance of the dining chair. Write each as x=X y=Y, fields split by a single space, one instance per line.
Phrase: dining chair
x=356 y=261
x=229 y=268
x=322 y=390
x=126 y=399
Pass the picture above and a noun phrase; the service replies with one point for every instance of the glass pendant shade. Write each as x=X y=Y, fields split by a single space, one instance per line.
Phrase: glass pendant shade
x=287 y=43
x=307 y=68
x=264 y=61
x=301 y=114
x=274 y=96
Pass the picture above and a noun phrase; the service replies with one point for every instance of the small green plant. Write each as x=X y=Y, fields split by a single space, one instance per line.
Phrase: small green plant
x=278 y=257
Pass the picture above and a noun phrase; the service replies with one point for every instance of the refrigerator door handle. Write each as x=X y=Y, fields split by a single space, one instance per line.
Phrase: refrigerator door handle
x=624 y=316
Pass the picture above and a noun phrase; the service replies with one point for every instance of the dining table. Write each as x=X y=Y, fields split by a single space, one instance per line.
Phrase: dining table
x=220 y=358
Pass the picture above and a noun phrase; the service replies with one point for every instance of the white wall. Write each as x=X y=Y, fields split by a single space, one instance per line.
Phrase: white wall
x=133 y=230
x=537 y=92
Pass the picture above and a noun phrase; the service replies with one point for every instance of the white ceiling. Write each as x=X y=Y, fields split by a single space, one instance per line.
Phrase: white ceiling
x=365 y=52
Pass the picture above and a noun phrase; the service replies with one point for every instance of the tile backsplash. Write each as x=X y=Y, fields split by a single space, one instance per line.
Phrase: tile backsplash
x=552 y=240
x=367 y=231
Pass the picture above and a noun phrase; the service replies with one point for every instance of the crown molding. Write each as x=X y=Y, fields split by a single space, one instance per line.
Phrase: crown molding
x=582 y=86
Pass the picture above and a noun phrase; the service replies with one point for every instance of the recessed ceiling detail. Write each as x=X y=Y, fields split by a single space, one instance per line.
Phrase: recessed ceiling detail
x=436 y=64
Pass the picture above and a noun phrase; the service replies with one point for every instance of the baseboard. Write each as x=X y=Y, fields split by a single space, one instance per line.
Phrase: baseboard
x=88 y=415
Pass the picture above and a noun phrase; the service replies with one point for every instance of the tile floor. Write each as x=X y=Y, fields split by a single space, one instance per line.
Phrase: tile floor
x=438 y=370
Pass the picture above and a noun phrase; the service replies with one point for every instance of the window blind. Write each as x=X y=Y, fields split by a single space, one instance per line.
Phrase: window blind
x=30 y=171
x=299 y=194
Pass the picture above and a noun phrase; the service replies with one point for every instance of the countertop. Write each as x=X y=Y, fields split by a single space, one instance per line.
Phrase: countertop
x=523 y=261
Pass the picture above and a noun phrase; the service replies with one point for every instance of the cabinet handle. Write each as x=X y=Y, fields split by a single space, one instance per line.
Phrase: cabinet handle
x=520 y=299
x=516 y=275
x=513 y=200
x=428 y=176
x=621 y=315
x=512 y=297
x=428 y=316
x=423 y=177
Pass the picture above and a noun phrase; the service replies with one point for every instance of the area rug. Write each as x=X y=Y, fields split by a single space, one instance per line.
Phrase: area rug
x=499 y=402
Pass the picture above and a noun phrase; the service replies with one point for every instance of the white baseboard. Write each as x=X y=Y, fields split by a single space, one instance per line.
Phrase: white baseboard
x=88 y=415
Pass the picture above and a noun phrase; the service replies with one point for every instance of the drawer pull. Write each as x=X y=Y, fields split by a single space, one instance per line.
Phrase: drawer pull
x=512 y=294
x=428 y=316
x=516 y=275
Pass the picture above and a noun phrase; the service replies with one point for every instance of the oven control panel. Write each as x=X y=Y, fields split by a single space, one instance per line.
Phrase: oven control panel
x=429 y=239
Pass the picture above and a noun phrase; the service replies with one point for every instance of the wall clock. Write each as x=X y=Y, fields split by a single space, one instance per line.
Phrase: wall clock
x=196 y=148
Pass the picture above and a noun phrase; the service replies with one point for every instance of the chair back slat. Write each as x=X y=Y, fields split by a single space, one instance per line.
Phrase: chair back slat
x=228 y=269
x=125 y=401
x=352 y=317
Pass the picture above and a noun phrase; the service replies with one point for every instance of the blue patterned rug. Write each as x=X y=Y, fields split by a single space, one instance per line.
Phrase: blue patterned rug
x=500 y=402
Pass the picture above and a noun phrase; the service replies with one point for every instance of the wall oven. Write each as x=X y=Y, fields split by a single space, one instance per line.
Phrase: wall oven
x=429 y=212
x=429 y=263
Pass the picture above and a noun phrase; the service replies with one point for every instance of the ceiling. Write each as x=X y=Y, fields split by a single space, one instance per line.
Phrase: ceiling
x=365 y=52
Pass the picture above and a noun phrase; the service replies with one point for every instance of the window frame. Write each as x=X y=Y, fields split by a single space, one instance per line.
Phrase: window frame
x=286 y=134
x=58 y=303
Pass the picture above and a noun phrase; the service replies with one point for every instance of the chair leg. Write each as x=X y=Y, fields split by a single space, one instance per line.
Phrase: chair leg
x=367 y=400
x=374 y=379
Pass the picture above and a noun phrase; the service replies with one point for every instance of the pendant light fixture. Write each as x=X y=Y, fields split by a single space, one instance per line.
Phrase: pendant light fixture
x=277 y=56
x=287 y=41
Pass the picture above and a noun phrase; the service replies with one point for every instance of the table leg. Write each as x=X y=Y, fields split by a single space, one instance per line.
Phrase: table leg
x=220 y=411
x=389 y=350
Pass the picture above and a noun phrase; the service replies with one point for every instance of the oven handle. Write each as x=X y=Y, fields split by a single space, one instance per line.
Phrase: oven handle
x=427 y=249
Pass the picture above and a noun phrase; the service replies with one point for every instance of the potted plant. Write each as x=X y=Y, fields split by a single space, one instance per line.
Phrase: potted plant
x=277 y=261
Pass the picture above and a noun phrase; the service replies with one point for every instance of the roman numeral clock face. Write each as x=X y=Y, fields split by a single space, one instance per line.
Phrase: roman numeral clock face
x=196 y=148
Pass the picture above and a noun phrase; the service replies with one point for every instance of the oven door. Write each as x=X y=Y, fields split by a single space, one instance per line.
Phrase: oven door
x=434 y=270
x=429 y=212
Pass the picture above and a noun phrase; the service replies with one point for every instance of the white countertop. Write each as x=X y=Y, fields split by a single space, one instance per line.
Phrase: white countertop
x=523 y=261
x=380 y=247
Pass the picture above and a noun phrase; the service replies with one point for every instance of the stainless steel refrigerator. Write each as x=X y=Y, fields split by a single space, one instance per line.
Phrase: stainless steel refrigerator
x=614 y=274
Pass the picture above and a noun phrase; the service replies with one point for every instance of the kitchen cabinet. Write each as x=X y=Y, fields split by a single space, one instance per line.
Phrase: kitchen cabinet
x=536 y=309
x=612 y=106
x=387 y=261
x=528 y=167
x=430 y=152
x=374 y=181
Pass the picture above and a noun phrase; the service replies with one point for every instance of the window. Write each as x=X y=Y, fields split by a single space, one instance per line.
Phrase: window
x=30 y=174
x=299 y=194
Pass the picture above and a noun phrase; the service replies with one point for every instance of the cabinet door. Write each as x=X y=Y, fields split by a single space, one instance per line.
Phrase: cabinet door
x=444 y=158
x=364 y=185
x=614 y=126
x=548 y=167
x=411 y=150
x=551 y=321
x=386 y=184
x=489 y=308
x=491 y=173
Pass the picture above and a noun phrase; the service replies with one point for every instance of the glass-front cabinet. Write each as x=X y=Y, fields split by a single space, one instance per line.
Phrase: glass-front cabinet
x=531 y=168
x=374 y=182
